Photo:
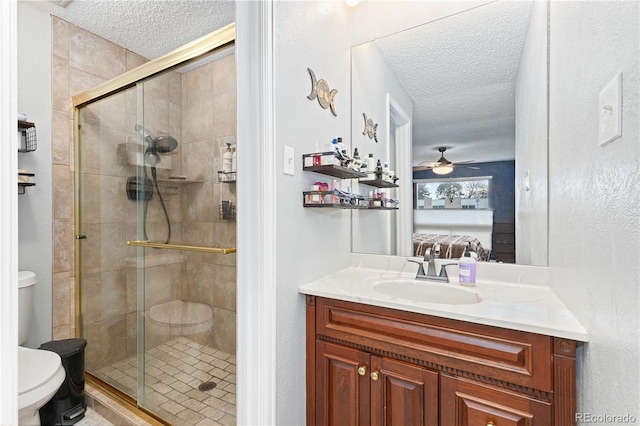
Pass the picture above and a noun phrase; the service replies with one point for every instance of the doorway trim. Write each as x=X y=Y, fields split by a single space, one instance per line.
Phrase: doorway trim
x=256 y=238
x=401 y=121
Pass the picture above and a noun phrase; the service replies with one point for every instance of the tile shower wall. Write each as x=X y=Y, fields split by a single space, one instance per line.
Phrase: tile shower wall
x=208 y=124
x=81 y=60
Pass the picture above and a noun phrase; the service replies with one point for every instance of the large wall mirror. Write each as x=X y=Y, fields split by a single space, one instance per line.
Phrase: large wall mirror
x=468 y=84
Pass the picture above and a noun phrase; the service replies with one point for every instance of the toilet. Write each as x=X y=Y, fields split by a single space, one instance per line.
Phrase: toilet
x=40 y=373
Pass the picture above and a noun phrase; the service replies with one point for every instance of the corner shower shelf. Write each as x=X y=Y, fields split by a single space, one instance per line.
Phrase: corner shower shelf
x=203 y=249
x=227 y=177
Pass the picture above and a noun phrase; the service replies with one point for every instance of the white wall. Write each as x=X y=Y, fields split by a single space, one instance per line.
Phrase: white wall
x=310 y=242
x=594 y=198
x=531 y=143
x=372 y=79
x=35 y=207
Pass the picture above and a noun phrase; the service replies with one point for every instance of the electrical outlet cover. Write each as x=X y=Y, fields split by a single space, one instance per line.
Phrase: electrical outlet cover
x=610 y=111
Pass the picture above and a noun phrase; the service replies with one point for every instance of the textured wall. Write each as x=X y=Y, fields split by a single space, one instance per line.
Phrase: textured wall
x=310 y=242
x=594 y=200
x=34 y=207
x=531 y=143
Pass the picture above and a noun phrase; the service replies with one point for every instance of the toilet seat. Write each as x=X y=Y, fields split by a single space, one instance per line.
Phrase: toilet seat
x=40 y=374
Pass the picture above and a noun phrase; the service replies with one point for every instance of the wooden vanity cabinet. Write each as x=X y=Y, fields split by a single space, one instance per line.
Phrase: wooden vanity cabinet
x=368 y=365
x=464 y=403
x=356 y=388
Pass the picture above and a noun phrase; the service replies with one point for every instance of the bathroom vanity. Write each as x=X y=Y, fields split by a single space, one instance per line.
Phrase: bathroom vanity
x=375 y=358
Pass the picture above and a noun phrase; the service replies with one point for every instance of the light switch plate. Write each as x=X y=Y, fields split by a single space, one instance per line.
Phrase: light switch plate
x=287 y=161
x=610 y=111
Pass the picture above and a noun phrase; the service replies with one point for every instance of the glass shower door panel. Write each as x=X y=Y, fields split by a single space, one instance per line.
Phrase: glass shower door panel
x=105 y=219
x=188 y=297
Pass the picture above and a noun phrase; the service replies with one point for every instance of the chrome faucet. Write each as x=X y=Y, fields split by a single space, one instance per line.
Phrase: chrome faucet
x=430 y=255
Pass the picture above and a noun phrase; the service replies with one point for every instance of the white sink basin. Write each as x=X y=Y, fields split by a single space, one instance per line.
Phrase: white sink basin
x=427 y=292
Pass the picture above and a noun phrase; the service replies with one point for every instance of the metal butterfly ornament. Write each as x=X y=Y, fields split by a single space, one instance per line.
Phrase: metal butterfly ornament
x=320 y=89
x=370 y=128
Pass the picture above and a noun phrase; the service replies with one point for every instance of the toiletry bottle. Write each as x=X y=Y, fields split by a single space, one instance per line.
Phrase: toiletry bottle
x=378 y=170
x=317 y=159
x=356 y=154
x=336 y=151
x=467 y=268
x=227 y=159
x=234 y=160
x=385 y=172
x=334 y=198
x=345 y=161
x=371 y=163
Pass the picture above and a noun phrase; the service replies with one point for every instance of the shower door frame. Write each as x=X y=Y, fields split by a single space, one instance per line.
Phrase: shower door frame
x=181 y=56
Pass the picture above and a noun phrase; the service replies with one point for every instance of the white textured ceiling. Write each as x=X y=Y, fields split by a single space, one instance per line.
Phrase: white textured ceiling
x=149 y=28
x=460 y=72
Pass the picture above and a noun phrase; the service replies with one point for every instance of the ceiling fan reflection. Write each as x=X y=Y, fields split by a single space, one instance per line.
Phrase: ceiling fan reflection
x=442 y=166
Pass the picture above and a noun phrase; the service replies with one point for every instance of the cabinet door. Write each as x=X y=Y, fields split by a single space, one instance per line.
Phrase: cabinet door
x=342 y=385
x=463 y=403
x=403 y=394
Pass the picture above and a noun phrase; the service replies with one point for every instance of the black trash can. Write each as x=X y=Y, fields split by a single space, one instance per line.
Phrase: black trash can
x=68 y=405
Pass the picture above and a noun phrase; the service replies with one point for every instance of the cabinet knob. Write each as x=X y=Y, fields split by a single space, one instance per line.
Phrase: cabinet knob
x=374 y=376
x=362 y=370
x=491 y=423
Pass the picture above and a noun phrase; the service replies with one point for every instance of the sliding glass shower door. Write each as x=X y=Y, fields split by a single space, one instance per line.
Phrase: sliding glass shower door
x=156 y=231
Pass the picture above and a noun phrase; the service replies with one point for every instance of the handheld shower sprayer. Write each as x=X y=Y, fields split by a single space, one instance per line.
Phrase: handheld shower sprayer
x=156 y=146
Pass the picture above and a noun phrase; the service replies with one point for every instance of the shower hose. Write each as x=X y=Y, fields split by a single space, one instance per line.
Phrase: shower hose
x=154 y=175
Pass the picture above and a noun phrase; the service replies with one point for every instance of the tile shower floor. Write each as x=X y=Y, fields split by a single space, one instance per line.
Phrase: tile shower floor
x=175 y=370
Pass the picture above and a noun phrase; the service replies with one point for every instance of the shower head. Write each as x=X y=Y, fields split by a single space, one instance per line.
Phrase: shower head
x=159 y=145
x=164 y=144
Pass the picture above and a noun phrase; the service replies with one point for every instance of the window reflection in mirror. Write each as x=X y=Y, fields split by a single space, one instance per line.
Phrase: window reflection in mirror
x=463 y=193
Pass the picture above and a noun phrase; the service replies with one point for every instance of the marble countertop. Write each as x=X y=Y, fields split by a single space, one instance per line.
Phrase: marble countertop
x=515 y=297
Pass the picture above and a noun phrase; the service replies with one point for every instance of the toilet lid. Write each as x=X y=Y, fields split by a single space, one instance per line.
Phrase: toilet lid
x=35 y=367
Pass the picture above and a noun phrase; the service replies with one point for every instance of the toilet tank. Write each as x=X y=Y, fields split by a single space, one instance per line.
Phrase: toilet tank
x=26 y=285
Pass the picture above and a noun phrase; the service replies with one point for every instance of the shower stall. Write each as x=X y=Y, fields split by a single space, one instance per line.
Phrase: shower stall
x=156 y=233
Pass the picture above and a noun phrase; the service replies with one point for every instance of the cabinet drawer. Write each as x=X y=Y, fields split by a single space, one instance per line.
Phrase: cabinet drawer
x=463 y=403
x=516 y=357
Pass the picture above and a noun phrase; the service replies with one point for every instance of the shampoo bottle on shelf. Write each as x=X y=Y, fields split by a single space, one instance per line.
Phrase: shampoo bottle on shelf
x=371 y=163
x=467 y=268
x=227 y=159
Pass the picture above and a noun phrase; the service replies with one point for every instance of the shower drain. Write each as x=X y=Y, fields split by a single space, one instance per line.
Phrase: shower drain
x=206 y=386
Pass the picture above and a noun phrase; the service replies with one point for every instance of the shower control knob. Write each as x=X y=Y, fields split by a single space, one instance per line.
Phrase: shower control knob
x=81 y=237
